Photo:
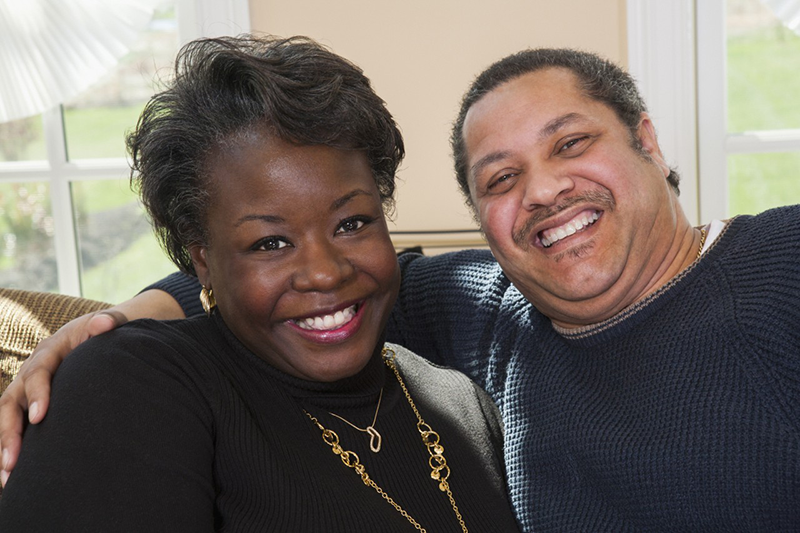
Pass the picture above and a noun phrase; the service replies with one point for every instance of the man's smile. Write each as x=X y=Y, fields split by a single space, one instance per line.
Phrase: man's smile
x=584 y=219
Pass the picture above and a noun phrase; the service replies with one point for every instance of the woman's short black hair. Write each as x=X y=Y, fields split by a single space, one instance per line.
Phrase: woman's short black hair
x=297 y=89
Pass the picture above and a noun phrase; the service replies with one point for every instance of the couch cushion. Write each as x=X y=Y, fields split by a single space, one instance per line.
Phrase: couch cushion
x=27 y=317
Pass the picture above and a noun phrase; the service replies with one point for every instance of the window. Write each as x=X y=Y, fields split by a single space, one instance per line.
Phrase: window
x=749 y=120
x=661 y=57
x=68 y=220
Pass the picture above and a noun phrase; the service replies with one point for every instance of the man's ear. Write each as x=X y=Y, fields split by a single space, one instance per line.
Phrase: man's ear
x=199 y=256
x=649 y=142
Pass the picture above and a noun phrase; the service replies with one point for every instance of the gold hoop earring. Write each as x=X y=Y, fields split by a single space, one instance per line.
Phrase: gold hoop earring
x=207 y=300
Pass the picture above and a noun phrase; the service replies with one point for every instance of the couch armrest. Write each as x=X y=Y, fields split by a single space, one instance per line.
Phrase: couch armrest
x=27 y=317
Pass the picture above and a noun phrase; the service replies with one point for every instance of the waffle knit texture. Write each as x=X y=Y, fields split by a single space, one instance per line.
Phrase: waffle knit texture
x=682 y=413
x=177 y=427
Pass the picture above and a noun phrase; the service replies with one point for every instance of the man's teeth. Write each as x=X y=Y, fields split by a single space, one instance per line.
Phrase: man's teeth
x=570 y=228
x=328 y=322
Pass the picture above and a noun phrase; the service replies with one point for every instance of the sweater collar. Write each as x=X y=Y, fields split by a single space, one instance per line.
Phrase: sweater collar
x=648 y=304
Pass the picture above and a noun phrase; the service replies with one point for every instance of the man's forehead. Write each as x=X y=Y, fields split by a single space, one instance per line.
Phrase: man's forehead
x=545 y=83
x=550 y=128
x=542 y=95
x=535 y=104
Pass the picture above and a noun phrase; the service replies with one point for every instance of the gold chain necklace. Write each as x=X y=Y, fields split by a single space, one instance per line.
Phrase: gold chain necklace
x=375 y=438
x=702 y=242
x=439 y=469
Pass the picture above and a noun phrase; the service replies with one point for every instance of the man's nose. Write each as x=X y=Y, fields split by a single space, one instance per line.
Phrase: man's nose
x=543 y=187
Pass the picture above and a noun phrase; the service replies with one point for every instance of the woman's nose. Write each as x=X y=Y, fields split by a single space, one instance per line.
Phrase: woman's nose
x=321 y=267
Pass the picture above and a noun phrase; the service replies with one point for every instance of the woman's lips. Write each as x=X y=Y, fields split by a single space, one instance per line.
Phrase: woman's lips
x=330 y=328
x=327 y=322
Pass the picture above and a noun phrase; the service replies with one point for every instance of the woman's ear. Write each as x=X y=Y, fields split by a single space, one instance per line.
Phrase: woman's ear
x=199 y=256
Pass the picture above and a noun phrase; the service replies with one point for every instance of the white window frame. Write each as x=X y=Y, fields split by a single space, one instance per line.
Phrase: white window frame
x=677 y=51
x=717 y=144
x=661 y=56
x=196 y=18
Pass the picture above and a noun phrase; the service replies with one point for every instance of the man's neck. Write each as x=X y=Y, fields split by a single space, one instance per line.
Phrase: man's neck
x=682 y=252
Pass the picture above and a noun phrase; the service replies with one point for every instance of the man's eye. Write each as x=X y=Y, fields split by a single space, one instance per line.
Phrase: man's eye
x=351 y=224
x=502 y=183
x=271 y=243
x=570 y=144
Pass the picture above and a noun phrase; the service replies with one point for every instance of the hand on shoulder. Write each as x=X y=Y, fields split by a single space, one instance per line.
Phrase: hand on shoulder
x=30 y=389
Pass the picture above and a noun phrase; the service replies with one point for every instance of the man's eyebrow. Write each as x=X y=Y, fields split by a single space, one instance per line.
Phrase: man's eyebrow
x=549 y=129
x=487 y=160
x=557 y=123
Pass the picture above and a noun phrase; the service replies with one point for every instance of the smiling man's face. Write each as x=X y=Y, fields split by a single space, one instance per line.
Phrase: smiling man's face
x=579 y=219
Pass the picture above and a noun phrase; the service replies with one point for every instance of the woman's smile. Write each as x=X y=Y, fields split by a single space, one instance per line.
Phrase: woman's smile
x=327 y=322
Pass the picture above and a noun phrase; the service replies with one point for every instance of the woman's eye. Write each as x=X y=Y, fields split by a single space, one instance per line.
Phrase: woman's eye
x=271 y=243
x=351 y=224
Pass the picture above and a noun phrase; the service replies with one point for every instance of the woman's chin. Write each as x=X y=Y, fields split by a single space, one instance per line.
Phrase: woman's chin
x=334 y=369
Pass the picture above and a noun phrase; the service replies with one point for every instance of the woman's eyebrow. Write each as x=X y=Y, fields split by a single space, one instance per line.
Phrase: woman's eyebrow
x=339 y=202
x=272 y=219
x=275 y=219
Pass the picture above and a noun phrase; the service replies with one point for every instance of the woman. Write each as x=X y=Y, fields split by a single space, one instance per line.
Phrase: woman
x=266 y=167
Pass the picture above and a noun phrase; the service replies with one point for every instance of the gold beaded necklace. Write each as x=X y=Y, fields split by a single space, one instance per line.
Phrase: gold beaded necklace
x=439 y=469
x=702 y=242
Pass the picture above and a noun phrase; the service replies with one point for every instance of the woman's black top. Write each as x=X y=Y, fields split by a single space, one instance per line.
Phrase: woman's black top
x=176 y=426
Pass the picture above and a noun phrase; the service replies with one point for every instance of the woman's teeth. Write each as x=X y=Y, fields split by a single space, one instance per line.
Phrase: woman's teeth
x=570 y=228
x=327 y=322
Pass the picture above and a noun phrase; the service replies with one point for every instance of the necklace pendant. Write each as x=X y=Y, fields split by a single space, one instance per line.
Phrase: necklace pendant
x=374 y=439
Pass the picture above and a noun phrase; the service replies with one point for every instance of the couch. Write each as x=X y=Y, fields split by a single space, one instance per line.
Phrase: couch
x=27 y=317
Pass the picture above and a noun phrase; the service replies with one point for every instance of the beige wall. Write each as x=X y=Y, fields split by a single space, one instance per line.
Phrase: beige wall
x=422 y=54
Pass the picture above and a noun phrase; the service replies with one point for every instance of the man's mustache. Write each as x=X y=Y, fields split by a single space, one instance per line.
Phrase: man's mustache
x=602 y=198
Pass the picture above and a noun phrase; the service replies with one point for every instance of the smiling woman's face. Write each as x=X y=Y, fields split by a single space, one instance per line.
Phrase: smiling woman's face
x=298 y=256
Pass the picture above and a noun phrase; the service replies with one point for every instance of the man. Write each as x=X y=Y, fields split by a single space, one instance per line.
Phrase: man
x=647 y=371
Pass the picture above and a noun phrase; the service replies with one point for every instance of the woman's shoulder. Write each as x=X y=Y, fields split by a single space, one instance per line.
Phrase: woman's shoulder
x=455 y=398
x=417 y=367
x=443 y=385
x=147 y=348
x=144 y=336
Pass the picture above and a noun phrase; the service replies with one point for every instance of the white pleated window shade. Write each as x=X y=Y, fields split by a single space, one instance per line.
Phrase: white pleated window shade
x=51 y=50
x=788 y=11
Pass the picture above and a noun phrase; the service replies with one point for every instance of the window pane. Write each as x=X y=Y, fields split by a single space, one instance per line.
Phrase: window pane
x=22 y=140
x=763 y=63
x=757 y=182
x=119 y=253
x=97 y=120
x=28 y=258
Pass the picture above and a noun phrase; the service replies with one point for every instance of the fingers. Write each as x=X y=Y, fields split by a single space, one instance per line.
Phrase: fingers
x=12 y=444
x=12 y=406
x=37 y=373
x=104 y=321
x=37 y=392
